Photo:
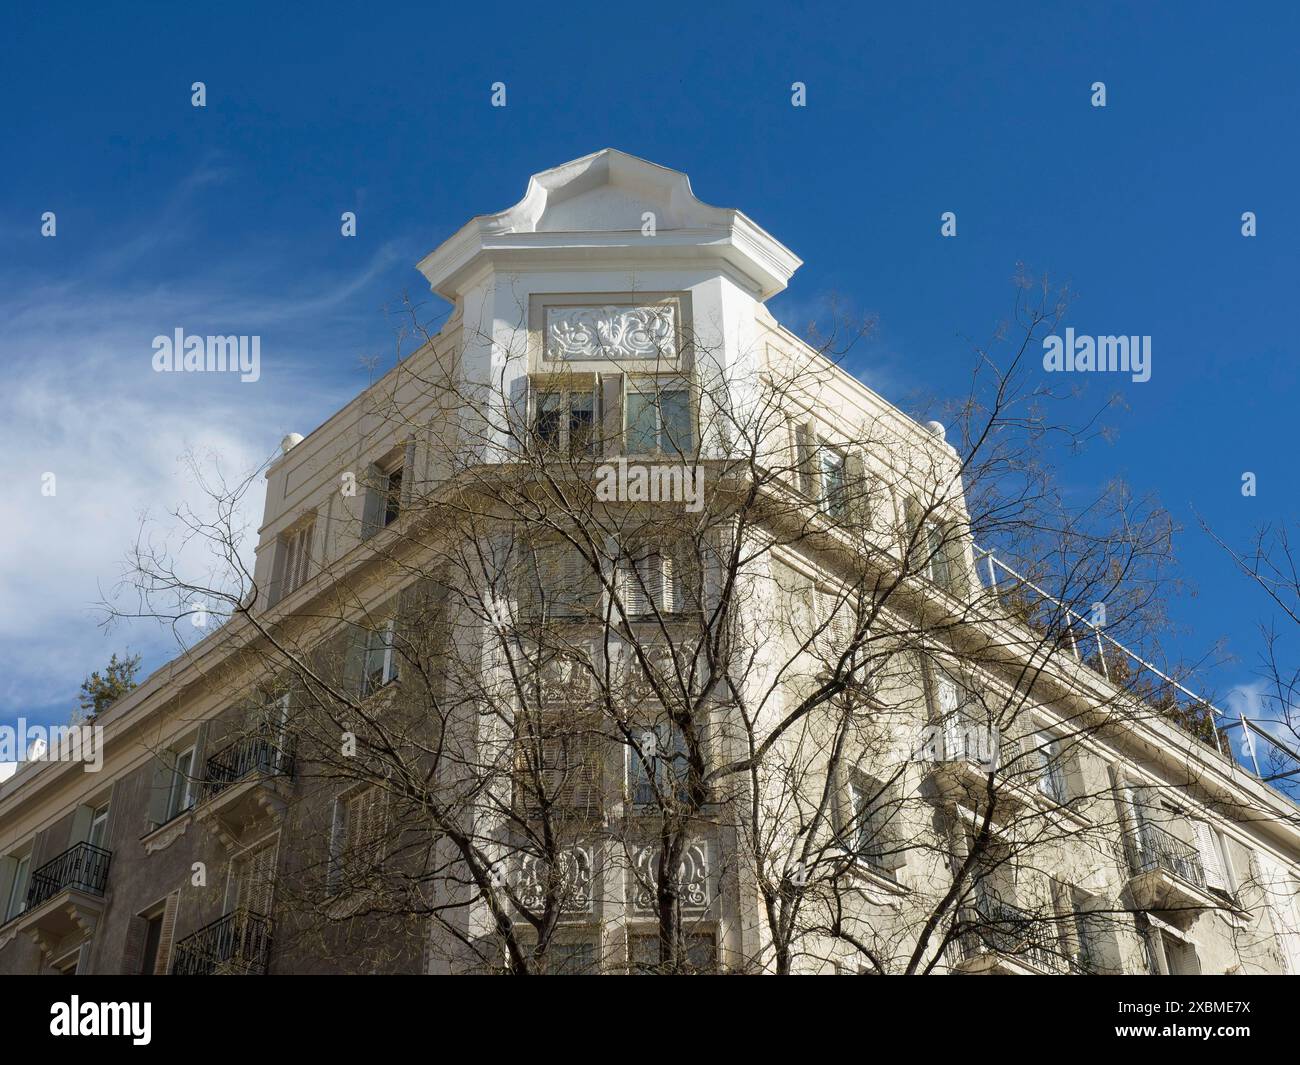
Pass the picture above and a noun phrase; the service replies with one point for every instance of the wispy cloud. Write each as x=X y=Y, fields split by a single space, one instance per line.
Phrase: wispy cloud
x=81 y=402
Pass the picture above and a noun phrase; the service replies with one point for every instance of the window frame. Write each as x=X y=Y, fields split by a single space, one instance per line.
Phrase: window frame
x=386 y=647
x=832 y=501
x=180 y=791
x=99 y=821
x=662 y=768
x=16 y=903
x=658 y=386
x=540 y=387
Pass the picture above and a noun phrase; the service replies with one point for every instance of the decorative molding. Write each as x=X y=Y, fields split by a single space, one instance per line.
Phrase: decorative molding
x=165 y=837
x=612 y=331
x=574 y=885
x=693 y=878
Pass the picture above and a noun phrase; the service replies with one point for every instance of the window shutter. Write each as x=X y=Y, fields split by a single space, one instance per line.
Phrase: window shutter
x=355 y=642
x=160 y=791
x=855 y=488
x=517 y=411
x=573 y=589
x=133 y=951
x=372 y=517
x=81 y=818
x=635 y=600
x=163 y=962
x=611 y=409
x=1215 y=875
x=254 y=879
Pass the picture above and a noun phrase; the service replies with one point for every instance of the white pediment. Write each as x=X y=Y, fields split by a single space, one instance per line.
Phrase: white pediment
x=599 y=204
x=609 y=191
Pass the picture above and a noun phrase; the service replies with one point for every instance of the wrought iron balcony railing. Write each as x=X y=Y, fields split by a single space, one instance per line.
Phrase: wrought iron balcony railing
x=1152 y=847
x=237 y=944
x=82 y=866
x=247 y=756
x=998 y=927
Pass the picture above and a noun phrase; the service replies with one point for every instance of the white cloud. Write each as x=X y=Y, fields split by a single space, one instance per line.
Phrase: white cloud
x=81 y=401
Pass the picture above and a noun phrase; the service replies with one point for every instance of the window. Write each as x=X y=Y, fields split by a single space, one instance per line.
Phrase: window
x=659 y=421
x=295 y=558
x=152 y=940
x=659 y=760
x=700 y=950
x=1171 y=956
x=252 y=879
x=17 y=900
x=648 y=584
x=380 y=668
x=392 y=496
x=180 y=792
x=834 y=484
x=98 y=826
x=1045 y=754
x=936 y=555
x=557 y=762
x=564 y=420
x=360 y=822
x=1214 y=858
x=387 y=486
x=867 y=833
x=576 y=958
x=557 y=581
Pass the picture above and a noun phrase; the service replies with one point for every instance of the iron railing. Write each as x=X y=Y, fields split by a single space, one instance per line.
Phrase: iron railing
x=1088 y=644
x=82 y=866
x=1152 y=847
x=237 y=944
x=245 y=757
x=998 y=927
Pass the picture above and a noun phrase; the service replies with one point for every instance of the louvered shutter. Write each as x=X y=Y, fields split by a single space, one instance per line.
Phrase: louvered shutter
x=855 y=487
x=372 y=515
x=133 y=951
x=1215 y=875
x=947 y=698
x=635 y=600
x=163 y=961
x=254 y=879
x=572 y=590
x=611 y=409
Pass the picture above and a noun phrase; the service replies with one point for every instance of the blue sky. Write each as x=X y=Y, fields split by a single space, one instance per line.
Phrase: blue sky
x=225 y=219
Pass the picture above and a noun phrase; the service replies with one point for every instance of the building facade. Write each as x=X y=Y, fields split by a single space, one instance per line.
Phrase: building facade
x=617 y=629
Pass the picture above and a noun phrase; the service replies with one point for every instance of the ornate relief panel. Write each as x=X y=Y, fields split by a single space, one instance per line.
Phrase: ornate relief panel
x=693 y=879
x=616 y=332
x=574 y=881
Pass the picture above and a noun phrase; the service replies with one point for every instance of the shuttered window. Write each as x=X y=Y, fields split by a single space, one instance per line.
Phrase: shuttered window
x=252 y=879
x=360 y=825
x=295 y=558
x=1210 y=844
x=834 y=496
x=648 y=584
x=557 y=581
x=557 y=763
x=381 y=658
x=166 y=935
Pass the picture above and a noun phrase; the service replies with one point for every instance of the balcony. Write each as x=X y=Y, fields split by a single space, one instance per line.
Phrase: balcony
x=966 y=752
x=238 y=944
x=245 y=785
x=1166 y=872
x=66 y=898
x=1005 y=940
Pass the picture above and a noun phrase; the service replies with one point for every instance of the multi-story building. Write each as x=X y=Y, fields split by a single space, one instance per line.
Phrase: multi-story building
x=617 y=614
